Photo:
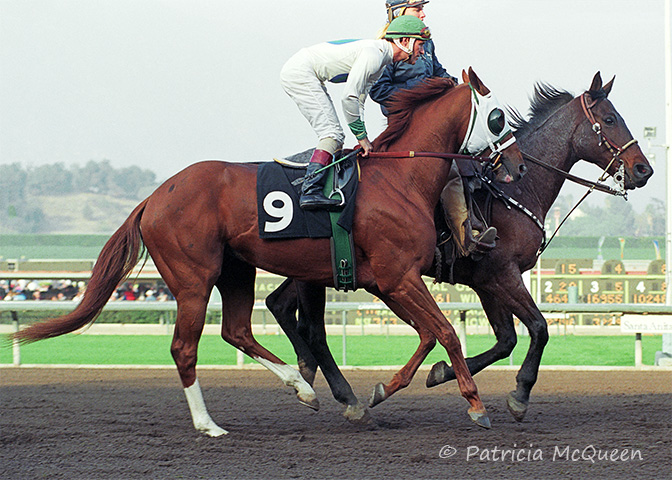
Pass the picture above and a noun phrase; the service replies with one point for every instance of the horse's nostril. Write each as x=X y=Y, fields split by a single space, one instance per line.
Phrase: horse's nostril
x=522 y=170
x=643 y=170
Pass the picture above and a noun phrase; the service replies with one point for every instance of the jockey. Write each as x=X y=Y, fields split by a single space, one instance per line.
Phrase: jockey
x=470 y=234
x=358 y=63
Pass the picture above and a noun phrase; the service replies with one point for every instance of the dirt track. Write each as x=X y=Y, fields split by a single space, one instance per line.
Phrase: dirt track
x=135 y=424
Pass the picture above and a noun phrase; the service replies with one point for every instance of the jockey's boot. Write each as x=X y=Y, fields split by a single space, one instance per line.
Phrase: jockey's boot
x=470 y=240
x=312 y=195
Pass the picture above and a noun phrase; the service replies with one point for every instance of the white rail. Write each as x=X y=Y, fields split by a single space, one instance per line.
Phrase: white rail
x=344 y=307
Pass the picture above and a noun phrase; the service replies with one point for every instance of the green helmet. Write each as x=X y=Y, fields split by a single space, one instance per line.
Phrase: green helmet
x=407 y=26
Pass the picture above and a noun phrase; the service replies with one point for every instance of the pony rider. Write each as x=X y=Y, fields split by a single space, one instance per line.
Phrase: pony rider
x=471 y=236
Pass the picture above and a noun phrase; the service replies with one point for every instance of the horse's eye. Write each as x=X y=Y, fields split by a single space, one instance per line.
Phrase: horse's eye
x=496 y=121
x=610 y=120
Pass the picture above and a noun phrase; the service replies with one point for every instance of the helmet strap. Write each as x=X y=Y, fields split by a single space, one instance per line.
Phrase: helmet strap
x=407 y=50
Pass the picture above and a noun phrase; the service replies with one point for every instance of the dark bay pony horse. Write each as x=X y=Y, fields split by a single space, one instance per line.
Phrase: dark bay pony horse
x=561 y=132
x=201 y=229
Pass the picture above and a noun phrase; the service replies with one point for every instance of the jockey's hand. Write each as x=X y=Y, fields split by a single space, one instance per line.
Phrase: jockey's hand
x=366 y=147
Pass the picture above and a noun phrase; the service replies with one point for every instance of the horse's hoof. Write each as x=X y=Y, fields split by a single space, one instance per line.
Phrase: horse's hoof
x=218 y=432
x=357 y=414
x=517 y=408
x=309 y=401
x=480 y=419
x=378 y=395
x=212 y=430
x=438 y=374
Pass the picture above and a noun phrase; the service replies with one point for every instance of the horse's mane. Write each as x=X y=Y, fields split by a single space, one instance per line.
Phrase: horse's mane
x=545 y=101
x=402 y=104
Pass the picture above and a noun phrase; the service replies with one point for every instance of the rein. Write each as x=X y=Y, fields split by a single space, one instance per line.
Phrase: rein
x=446 y=156
x=496 y=163
x=581 y=181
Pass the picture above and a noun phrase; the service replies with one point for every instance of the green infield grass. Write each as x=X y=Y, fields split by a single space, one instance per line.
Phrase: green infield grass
x=370 y=350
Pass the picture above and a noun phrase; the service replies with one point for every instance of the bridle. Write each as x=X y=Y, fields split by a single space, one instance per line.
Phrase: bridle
x=614 y=149
x=602 y=138
x=619 y=176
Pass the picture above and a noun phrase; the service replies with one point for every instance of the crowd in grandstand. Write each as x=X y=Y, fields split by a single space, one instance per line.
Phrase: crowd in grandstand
x=16 y=290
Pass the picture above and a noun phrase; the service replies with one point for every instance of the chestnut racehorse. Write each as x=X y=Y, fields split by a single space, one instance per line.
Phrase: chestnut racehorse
x=201 y=229
x=561 y=131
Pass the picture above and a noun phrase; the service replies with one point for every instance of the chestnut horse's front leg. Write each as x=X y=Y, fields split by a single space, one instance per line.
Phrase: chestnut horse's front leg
x=403 y=377
x=417 y=307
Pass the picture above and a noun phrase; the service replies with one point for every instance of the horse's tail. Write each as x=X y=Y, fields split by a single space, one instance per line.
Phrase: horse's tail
x=115 y=262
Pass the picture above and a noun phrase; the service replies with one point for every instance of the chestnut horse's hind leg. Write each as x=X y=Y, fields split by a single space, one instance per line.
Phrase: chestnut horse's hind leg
x=236 y=285
x=191 y=309
x=192 y=288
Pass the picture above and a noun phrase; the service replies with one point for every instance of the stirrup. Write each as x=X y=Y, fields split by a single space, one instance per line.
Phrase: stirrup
x=487 y=239
x=319 y=202
x=483 y=243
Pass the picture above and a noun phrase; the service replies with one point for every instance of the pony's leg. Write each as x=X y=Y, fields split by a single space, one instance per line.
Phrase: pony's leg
x=419 y=307
x=237 y=289
x=502 y=324
x=516 y=301
x=312 y=301
x=309 y=340
x=283 y=303
x=528 y=313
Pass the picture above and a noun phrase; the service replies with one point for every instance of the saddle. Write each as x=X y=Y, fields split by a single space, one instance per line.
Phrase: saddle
x=278 y=193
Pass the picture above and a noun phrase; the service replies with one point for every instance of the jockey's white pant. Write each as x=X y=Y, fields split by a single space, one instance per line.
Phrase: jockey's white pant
x=299 y=80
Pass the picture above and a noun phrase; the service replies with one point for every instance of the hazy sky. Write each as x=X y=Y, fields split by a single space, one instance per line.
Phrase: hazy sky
x=164 y=83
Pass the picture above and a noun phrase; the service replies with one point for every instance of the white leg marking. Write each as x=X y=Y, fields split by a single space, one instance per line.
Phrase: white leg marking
x=291 y=378
x=199 y=414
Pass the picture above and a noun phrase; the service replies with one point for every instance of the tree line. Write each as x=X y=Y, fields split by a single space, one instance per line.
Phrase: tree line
x=614 y=218
x=19 y=183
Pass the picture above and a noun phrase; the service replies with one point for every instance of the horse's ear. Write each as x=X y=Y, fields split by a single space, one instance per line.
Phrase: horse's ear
x=597 y=83
x=465 y=77
x=608 y=85
x=476 y=83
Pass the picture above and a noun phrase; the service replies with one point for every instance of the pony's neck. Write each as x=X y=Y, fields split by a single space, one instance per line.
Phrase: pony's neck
x=551 y=143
